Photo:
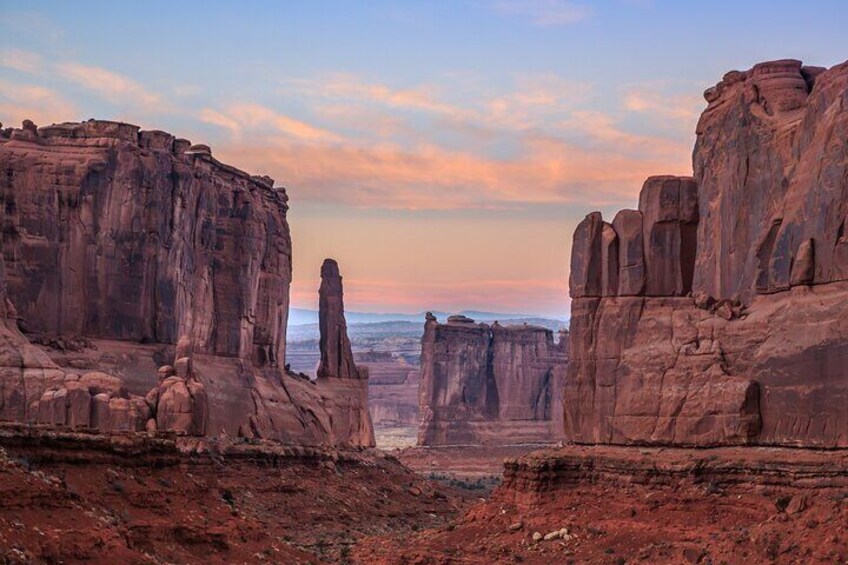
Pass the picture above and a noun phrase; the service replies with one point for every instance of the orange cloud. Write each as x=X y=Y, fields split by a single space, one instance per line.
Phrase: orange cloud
x=549 y=170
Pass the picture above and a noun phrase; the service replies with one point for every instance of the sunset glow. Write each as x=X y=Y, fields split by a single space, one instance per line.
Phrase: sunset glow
x=441 y=172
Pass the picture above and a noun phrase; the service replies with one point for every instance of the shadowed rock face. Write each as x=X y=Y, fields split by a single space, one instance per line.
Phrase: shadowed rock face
x=131 y=243
x=729 y=321
x=350 y=416
x=484 y=384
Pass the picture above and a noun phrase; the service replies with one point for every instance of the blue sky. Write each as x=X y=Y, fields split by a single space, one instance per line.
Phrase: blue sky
x=441 y=151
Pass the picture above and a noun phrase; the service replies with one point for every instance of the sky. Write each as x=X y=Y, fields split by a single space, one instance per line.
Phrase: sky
x=441 y=151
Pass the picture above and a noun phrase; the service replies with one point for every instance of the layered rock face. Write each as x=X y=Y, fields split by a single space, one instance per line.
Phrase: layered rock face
x=129 y=250
x=484 y=384
x=349 y=415
x=717 y=313
x=392 y=389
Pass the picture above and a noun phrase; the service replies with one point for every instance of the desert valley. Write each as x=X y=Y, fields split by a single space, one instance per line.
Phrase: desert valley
x=170 y=394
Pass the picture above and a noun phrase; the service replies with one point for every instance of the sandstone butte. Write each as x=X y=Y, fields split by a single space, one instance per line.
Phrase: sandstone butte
x=717 y=312
x=144 y=285
x=495 y=384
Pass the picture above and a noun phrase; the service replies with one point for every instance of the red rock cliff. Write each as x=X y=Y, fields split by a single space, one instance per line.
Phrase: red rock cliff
x=129 y=250
x=718 y=312
x=484 y=384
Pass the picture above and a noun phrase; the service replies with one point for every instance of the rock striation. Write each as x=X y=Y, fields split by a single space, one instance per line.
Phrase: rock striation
x=139 y=255
x=483 y=384
x=717 y=313
x=349 y=416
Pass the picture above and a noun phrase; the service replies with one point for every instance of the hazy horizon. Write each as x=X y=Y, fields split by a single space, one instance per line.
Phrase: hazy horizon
x=441 y=152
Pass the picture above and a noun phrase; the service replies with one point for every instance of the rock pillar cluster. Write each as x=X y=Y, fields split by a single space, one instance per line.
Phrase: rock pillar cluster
x=717 y=313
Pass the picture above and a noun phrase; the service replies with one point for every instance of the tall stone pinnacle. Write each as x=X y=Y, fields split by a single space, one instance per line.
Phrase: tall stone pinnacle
x=336 y=354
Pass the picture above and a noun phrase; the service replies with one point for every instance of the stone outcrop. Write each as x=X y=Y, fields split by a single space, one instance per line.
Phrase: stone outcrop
x=127 y=243
x=484 y=384
x=729 y=323
x=349 y=415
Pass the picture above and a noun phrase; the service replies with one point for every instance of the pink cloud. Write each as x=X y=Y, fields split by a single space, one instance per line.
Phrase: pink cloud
x=549 y=170
x=683 y=109
x=41 y=105
x=19 y=60
x=112 y=86
x=255 y=118
x=517 y=295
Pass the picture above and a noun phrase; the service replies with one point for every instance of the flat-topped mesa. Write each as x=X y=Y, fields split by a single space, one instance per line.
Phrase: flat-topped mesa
x=484 y=384
x=119 y=245
x=718 y=312
x=109 y=233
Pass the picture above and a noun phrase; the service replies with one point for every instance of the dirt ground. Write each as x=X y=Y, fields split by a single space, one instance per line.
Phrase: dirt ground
x=95 y=500
x=85 y=503
x=630 y=505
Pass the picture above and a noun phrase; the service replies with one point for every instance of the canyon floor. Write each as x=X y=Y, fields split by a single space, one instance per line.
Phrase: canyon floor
x=612 y=505
x=72 y=497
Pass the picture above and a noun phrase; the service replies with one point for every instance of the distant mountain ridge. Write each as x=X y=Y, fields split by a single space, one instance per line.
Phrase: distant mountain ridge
x=302 y=316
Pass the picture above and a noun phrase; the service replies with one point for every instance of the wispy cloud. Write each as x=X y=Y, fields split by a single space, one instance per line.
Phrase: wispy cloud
x=111 y=86
x=351 y=88
x=548 y=170
x=256 y=118
x=533 y=101
x=367 y=144
x=653 y=101
x=27 y=101
x=544 y=12
x=19 y=60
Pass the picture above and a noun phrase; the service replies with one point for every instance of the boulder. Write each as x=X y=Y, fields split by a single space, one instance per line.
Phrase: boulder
x=99 y=382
